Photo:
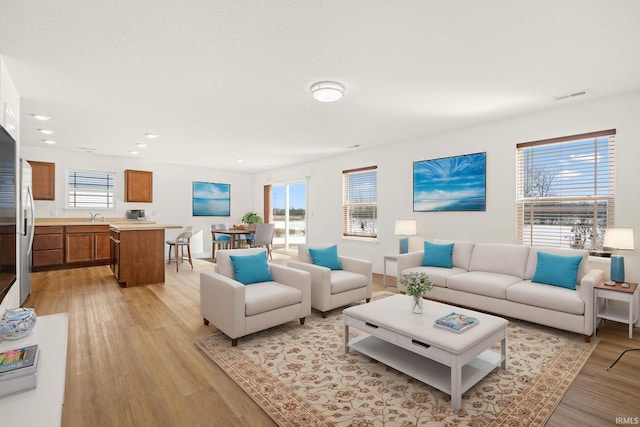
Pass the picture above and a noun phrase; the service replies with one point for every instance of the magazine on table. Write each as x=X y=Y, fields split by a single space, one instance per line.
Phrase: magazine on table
x=456 y=322
x=18 y=361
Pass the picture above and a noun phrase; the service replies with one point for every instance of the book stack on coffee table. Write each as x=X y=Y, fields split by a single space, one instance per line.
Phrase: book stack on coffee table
x=19 y=370
x=455 y=322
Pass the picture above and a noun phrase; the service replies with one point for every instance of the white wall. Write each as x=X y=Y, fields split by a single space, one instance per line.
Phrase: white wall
x=498 y=139
x=172 y=191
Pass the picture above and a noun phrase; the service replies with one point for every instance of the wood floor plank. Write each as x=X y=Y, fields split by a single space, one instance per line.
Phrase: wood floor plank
x=131 y=360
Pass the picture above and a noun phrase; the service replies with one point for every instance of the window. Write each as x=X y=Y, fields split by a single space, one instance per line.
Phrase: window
x=360 y=202
x=88 y=189
x=566 y=190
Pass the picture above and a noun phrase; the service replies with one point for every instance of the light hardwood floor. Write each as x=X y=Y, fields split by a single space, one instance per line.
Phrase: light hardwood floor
x=132 y=361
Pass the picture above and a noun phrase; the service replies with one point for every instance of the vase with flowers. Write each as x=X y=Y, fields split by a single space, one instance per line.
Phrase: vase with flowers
x=417 y=284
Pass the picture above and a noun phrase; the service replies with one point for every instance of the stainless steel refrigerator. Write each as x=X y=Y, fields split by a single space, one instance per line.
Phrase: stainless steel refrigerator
x=27 y=228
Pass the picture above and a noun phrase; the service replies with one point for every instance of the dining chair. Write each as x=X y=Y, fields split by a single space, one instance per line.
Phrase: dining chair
x=182 y=241
x=221 y=241
x=263 y=237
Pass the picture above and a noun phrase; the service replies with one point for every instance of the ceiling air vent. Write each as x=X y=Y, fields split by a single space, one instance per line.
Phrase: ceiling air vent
x=571 y=95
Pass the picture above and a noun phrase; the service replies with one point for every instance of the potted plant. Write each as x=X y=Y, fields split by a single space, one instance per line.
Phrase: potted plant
x=417 y=283
x=251 y=218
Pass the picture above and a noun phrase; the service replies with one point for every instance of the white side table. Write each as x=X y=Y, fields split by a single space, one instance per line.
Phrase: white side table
x=616 y=312
x=388 y=258
x=42 y=406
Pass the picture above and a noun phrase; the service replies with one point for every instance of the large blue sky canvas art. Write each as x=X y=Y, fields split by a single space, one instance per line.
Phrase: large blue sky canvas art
x=211 y=199
x=450 y=184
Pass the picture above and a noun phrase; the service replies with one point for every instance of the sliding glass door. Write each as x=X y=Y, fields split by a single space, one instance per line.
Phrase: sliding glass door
x=289 y=213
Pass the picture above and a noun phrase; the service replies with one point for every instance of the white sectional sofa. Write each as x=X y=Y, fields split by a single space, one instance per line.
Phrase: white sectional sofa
x=497 y=277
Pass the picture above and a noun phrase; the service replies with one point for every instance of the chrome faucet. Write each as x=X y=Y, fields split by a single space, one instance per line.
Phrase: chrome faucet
x=94 y=215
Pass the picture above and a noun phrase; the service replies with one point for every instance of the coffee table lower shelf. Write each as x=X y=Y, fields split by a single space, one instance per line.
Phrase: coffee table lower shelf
x=426 y=370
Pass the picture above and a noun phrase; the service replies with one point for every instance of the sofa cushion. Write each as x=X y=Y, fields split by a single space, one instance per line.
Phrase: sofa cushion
x=250 y=269
x=546 y=296
x=223 y=262
x=303 y=251
x=342 y=281
x=326 y=257
x=267 y=296
x=437 y=275
x=557 y=270
x=583 y=269
x=500 y=258
x=462 y=250
x=437 y=255
x=482 y=283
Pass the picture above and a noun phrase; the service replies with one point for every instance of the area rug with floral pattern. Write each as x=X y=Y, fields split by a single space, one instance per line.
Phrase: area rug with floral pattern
x=300 y=377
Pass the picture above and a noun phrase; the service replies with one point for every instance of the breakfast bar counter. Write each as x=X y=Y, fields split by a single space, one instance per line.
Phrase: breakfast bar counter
x=137 y=252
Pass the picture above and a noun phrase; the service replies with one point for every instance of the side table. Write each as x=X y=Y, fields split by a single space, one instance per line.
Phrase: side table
x=388 y=258
x=42 y=406
x=603 y=310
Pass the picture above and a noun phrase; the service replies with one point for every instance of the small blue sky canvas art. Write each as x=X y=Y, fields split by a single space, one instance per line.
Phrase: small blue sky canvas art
x=211 y=199
x=450 y=184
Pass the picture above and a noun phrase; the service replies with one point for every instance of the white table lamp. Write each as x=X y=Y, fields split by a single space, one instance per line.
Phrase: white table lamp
x=404 y=228
x=618 y=238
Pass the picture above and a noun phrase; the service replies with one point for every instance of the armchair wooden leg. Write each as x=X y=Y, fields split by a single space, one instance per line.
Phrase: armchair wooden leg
x=234 y=342
x=587 y=338
x=206 y=321
x=324 y=314
x=302 y=320
x=368 y=300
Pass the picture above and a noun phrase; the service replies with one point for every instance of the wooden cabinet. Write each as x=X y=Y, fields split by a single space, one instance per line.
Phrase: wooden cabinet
x=138 y=186
x=138 y=256
x=43 y=178
x=47 y=246
x=87 y=244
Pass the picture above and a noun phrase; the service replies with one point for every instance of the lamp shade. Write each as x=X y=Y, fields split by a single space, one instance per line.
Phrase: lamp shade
x=619 y=238
x=405 y=227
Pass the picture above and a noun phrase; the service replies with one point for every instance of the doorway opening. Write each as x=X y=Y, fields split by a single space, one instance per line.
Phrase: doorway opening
x=289 y=214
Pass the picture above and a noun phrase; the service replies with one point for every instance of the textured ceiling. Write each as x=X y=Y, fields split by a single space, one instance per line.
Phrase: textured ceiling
x=223 y=80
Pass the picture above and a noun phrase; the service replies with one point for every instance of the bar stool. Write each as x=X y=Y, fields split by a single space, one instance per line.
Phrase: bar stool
x=178 y=246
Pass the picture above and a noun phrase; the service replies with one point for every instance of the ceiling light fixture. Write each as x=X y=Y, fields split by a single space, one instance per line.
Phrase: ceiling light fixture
x=142 y=144
x=48 y=141
x=151 y=135
x=133 y=152
x=45 y=131
x=41 y=117
x=327 y=91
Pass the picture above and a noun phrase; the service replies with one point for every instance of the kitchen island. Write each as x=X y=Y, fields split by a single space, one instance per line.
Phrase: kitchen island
x=137 y=253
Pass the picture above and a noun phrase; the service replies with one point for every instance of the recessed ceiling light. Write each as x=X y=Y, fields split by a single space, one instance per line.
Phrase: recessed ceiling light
x=133 y=152
x=327 y=91
x=48 y=141
x=45 y=131
x=142 y=144
x=151 y=135
x=240 y=160
x=41 y=117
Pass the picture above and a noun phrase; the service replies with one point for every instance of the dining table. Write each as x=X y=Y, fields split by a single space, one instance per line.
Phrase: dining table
x=235 y=235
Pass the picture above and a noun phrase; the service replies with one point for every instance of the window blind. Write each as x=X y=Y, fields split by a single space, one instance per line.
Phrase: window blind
x=360 y=202
x=566 y=190
x=88 y=189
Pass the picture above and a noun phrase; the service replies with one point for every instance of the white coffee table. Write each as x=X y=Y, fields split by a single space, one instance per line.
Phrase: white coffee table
x=408 y=342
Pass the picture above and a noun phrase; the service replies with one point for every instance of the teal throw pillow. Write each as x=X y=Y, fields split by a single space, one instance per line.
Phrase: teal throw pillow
x=251 y=268
x=436 y=255
x=557 y=270
x=326 y=257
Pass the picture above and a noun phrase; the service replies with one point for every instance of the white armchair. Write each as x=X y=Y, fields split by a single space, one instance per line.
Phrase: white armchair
x=238 y=310
x=335 y=288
